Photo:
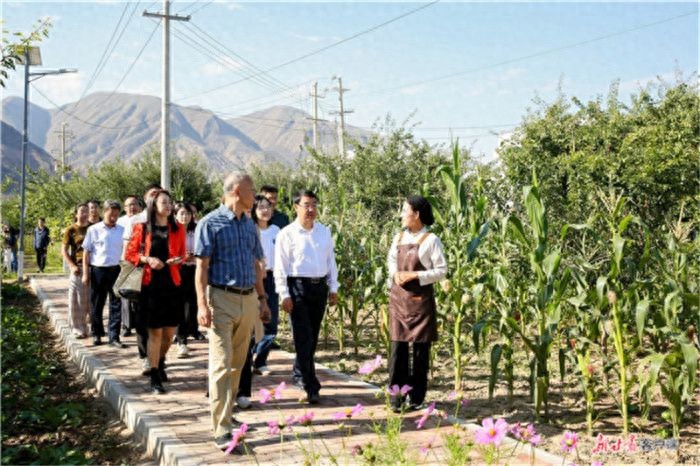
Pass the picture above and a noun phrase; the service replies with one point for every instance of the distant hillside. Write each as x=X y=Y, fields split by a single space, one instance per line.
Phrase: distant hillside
x=125 y=124
x=11 y=142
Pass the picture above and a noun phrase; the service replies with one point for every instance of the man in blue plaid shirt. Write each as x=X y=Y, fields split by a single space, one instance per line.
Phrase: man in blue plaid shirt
x=230 y=294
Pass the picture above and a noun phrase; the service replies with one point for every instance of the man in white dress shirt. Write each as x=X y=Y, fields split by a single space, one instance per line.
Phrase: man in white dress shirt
x=102 y=249
x=306 y=279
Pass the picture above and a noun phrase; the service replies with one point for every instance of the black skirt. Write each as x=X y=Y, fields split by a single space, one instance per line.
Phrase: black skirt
x=161 y=301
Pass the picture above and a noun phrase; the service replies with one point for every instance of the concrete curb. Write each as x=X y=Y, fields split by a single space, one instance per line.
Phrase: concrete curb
x=161 y=443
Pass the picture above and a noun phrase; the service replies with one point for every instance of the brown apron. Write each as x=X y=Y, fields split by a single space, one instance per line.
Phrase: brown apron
x=412 y=306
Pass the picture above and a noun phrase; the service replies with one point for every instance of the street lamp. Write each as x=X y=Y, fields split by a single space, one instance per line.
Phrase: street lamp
x=32 y=57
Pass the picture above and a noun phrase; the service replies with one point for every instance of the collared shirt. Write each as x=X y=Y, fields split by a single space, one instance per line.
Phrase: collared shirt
x=304 y=253
x=104 y=244
x=232 y=246
x=279 y=219
x=73 y=238
x=125 y=221
x=430 y=254
x=268 y=237
x=141 y=217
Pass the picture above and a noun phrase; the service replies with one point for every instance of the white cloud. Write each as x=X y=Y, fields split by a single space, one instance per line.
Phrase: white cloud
x=62 y=89
x=635 y=85
x=233 y=6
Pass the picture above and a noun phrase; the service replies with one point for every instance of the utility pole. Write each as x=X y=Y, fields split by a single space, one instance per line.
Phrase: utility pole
x=341 y=113
x=63 y=135
x=165 y=111
x=315 y=118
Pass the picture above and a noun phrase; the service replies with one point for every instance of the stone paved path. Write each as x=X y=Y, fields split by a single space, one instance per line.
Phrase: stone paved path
x=175 y=426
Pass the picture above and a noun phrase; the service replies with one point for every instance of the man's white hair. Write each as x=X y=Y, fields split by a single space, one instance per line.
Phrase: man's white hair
x=233 y=179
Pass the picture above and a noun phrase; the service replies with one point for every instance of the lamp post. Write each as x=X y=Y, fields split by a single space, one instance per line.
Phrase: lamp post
x=32 y=57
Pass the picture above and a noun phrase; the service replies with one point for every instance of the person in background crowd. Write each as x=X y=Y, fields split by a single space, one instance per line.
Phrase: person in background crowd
x=42 y=239
x=131 y=208
x=188 y=326
x=93 y=212
x=160 y=301
x=278 y=218
x=9 y=236
x=72 y=252
x=139 y=321
x=306 y=279
x=415 y=261
x=230 y=294
x=102 y=249
x=261 y=214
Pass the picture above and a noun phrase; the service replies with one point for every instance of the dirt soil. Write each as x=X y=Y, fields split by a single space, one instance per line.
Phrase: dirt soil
x=100 y=435
x=567 y=406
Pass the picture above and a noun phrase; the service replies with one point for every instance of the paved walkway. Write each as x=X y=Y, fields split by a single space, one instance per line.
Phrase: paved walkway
x=175 y=427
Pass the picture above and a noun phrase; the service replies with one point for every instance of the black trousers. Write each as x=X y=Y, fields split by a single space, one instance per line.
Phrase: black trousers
x=189 y=325
x=140 y=322
x=101 y=282
x=401 y=372
x=245 y=386
x=41 y=258
x=309 y=297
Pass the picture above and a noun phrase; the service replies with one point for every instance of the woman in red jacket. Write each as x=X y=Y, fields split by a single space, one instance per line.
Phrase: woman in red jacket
x=160 y=303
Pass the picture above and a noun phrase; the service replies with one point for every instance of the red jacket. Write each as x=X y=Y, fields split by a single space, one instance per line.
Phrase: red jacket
x=176 y=248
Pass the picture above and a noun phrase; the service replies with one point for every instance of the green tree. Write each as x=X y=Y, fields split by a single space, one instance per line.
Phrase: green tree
x=14 y=43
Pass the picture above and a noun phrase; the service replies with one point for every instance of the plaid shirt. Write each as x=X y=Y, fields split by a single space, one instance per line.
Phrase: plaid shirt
x=232 y=246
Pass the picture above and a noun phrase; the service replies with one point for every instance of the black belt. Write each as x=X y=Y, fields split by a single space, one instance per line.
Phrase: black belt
x=312 y=280
x=234 y=289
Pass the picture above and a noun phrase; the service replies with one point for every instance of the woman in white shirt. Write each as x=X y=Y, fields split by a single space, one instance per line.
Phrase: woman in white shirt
x=416 y=261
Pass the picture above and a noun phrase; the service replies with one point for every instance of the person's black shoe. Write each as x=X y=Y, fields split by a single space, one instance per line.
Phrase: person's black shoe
x=161 y=370
x=156 y=383
x=275 y=345
x=97 y=341
x=199 y=336
x=298 y=383
x=313 y=398
x=222 y=441
x=126 y=332
x=117 y=344
x=412 y=406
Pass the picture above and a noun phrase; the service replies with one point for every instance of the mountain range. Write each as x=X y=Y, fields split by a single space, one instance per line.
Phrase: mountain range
x=106 y=126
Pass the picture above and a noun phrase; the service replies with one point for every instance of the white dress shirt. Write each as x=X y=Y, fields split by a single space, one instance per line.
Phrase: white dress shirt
x=141 y=217
x=267 y=239
x=304 y=253
x=430 y=254
x=104 y=244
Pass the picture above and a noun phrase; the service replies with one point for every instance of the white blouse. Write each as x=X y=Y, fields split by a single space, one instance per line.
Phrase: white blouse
x=430 y=254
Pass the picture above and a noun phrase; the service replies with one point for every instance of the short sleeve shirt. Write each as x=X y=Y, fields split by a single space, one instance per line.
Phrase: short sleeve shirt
x=232 y=245
x=73 y=237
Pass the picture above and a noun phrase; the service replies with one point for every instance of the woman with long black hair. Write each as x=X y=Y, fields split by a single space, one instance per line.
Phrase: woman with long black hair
x=163 y=251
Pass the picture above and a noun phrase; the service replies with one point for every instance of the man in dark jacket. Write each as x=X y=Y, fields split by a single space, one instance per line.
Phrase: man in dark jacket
x=41 y=243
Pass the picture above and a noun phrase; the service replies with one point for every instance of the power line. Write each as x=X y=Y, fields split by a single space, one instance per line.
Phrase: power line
x=203 y=6
x=317 y=51
x=532 y=55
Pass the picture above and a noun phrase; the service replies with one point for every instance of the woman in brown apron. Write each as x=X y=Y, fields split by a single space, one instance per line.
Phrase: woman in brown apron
x=416 y=261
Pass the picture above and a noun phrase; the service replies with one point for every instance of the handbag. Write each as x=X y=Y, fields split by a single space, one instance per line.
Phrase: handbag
x=128 y=284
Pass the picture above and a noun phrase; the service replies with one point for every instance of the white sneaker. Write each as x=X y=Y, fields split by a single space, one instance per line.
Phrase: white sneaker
x=145 y=366
x=182 y=351
x=243 y=402
x=262 y=370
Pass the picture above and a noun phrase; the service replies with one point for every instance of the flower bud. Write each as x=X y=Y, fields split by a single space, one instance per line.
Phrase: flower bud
x=466 y=298
x=446 y=286
x=612 y=297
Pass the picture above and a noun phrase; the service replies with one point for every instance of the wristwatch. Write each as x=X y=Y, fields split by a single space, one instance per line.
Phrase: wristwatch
x=262 y=297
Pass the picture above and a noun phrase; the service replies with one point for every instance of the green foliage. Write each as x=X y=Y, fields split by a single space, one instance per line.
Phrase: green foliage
x=14 y=43
x=647 y=151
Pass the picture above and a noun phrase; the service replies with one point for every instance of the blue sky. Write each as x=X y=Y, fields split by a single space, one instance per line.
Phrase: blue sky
x=381 y=67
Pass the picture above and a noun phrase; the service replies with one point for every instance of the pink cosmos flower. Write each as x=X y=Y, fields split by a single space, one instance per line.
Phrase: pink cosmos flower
x=356 y=450
x=348 y=413
x=278 y=391
x=291 y=420
x=491 y=432
x=237 y=439
x=370 y=366
x=394 y=390
x=597 y=463
x=428 y=411
x=265 y=395
x=306 y=418
x=273 y=428
x=569 y=441
x=526 y=434
x=428 y=446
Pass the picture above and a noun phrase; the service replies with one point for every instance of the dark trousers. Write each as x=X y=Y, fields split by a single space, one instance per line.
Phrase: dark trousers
x=401 y=373
x=101 y=282
x=41 y=258
x=140 y=323
x=262 y=349
x=246 y=383
x=189 y=325
x=309 y=298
